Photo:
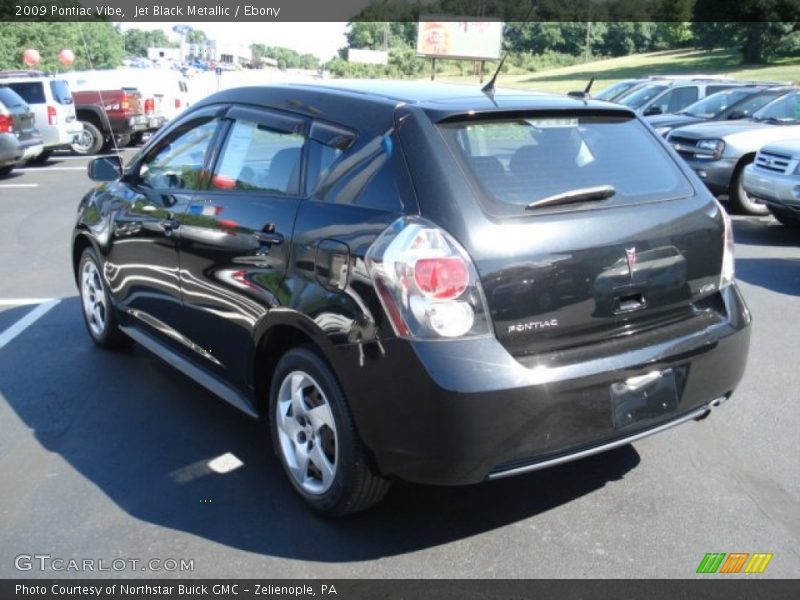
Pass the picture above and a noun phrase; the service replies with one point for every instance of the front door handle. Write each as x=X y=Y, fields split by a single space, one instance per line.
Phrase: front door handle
x=170 y=224
x=272 y=238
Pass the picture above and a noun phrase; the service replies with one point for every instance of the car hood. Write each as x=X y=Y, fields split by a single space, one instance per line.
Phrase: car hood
x=745 y=134
x=672 y=120
x=789 y=147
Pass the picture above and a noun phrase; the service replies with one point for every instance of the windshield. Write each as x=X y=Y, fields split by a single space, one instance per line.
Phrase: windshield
x=615 y=90
x=785 y=109
x=644 y=94
x=519 y=161
x=712 y=106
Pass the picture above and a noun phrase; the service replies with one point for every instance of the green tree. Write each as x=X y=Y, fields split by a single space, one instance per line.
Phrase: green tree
x=96 y=45
x=137 y=41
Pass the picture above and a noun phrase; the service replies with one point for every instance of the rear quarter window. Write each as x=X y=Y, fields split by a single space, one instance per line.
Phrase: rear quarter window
x=516 y=162
x=60 y=91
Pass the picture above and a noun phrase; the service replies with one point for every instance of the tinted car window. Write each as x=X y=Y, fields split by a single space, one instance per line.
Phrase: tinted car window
x=256 y=157
x=642 y=95
x=681 y=97
x=10 y=98
x=177 y=162
x=713 y=89
x=519 y=161
x=60 y=91
x=711 y=106
x=751 y=105
x=30 y=91
x=615 y=90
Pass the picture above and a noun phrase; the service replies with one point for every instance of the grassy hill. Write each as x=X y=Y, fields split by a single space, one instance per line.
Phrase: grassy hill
x=673 y=62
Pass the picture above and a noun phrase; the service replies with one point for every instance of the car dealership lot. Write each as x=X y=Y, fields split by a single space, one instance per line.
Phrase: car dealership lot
x=106 y=455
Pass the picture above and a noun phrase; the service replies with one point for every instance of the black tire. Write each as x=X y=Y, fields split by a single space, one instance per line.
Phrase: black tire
x=740 y=200
x=108 y=334
x=137 y=138
x=6 y=171
x=355 y=486
x=785 y=217
x=123 y=140
x=92 y=143
x=42 y=158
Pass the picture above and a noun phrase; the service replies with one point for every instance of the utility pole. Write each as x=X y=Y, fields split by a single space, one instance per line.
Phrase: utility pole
x=588 y=47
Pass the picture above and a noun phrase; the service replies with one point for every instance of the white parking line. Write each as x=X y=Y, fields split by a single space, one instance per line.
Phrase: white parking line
x=18 y=185
x=26 y=321
x=46 y=169
x=59 y=157
x=22 y=301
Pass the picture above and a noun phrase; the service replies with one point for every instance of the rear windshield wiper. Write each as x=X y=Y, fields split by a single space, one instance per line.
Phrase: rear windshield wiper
x=599 y=192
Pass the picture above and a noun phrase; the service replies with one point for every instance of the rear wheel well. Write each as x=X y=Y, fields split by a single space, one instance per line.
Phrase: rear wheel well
x=91 y=117
x=81 y=243
x=274 y=344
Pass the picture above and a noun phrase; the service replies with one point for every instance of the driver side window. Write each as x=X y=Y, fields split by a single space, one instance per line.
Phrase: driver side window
x=177 y=162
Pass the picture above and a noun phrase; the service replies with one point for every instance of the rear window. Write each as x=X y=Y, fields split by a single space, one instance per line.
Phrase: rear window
x=60 y=91
x=30 y=91
x=642 y=95
x=517 y=162
x=10 y=98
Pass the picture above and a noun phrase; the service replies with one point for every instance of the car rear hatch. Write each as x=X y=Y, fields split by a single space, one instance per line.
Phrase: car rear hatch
x=586 y=228
x=23 y=120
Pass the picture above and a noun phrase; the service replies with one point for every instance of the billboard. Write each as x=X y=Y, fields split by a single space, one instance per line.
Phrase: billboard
x=367 y=57
x=471 y=40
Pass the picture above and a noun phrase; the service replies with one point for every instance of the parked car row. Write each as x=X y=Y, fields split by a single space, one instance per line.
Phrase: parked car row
x=740 y=138
x=86 y=111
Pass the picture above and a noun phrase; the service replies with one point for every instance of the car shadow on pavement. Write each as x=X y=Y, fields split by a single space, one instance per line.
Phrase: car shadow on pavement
x=780 y=275
x=144 y=435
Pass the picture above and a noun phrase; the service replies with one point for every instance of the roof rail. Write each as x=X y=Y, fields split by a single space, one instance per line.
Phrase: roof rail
x=21 y=73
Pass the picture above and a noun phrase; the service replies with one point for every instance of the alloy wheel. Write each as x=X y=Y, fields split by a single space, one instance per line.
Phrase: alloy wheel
x=93 y=298
x=307 y=433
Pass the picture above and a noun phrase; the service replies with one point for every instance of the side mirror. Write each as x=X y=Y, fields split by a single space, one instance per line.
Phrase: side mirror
x=106 y=168
x=653 y=110
x=737 y=114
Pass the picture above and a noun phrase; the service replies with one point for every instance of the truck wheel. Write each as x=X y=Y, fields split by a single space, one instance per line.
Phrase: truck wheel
x=315 y=438
x=137 y=138
x=6 y=171
x=740 y=200
x=123 y=139
x=90 y=140
x=785 y=217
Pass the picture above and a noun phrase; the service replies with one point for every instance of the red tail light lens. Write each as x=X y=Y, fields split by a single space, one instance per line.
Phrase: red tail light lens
x=5 y=124
x=52 y=115
x=149 y=106
x=441 y=278
x=126 y=102
x=177 y=102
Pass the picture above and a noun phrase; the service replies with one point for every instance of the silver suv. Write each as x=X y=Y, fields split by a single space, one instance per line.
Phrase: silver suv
x=50 y=100
x=774 y=178
x=719 y=151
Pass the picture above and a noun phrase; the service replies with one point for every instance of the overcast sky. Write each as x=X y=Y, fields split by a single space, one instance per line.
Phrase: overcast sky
x=320 y=39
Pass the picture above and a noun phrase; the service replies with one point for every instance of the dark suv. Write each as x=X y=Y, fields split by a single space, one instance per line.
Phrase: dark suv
x=418 y=281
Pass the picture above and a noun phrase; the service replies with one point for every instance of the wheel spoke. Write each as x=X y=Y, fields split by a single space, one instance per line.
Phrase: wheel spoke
x=321 y=415
x=300 y=468
x=321 y=461
x=298 y=406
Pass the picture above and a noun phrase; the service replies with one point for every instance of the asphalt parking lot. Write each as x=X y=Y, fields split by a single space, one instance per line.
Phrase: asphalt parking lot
x=104 y=455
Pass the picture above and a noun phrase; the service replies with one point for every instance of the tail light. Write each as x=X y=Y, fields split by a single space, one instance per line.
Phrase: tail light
x=5 y=124
x=52 y=115
x=728 y=262
x=126 y=102
x=426 y=282
x=177 y=102
x=149 y=106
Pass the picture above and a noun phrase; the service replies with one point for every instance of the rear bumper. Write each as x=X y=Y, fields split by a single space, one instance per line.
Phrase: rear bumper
x=463 y=412
x=716 y=174
x=10 y=150
x=775 y=189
